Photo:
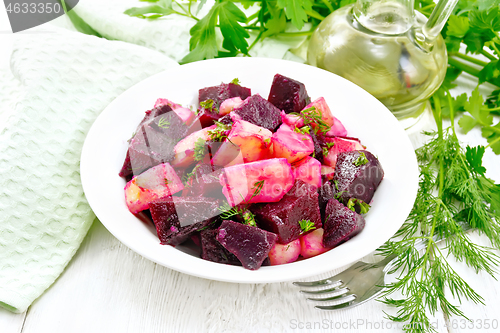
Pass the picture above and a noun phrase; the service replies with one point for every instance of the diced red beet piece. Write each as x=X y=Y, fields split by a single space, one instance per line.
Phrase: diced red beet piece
x=357 y=180
x=260 y=112
x=185 y=114
x=157 y=111
x=319 y=143
x=341 y=224
x=282 y=217
x=207 y=117
x=226 y=120
x=222 y=92
x=177 y=218
x=251 y=245
x=154 y=142
x=218 y=94
x=288 y=94
x=205 y=182
x=326 y=192
x=212 y=250
x=142 y=162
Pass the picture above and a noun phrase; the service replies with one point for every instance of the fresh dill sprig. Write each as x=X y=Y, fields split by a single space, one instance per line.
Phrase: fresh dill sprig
x=226 y=211
x=313 y=116
x=163 y=123
x=257 y=187
x=302 y=130
x=187 y=178
x=453 y=190
x=219 y=133
x=235 y=81
x=199 y=149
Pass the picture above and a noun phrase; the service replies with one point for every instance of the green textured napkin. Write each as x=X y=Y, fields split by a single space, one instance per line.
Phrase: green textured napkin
x=63 y=80
x=59 y=83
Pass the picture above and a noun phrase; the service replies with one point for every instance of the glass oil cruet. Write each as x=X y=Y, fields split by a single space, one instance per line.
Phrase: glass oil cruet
x=388 y=49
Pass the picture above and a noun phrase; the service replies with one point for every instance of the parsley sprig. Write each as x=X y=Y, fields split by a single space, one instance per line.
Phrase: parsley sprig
x=225 y=16
x=209 y=105
x=360 y=204
x=361 y=160
x=306 y=225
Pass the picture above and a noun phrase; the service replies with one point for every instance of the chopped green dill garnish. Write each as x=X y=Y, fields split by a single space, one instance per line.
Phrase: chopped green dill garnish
x=327 y=148
x=186 y=179
x=163 y=123
x=302 y=130
x=209 y=105
x=133 y=134
x=361 y=160
x=219 y=133
x=336 y=184
x=166 y=181
x=363 y=206
x=199 y=149
x=313 y=116
x=207 y=226
x=249 y=218
x=267 y=140
x=306 y=225
x=235 y=81
x=339 y=194
x=258 y=187
x=226 y=212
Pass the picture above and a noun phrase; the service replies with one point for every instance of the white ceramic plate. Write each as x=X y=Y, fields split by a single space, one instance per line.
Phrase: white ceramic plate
x=363 y=116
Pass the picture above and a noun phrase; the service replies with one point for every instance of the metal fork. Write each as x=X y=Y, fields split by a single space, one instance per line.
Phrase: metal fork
x=359 y=283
